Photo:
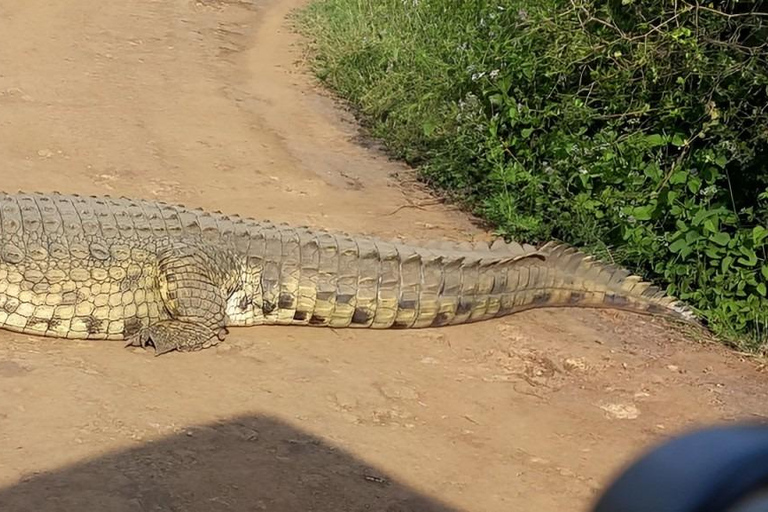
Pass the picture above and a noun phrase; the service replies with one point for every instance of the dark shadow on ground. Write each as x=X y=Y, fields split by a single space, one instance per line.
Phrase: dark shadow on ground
x=250 y=463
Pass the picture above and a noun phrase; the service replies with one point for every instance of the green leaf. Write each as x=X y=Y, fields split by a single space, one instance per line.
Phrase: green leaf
x=671 y=196
x=655 y=139
x=526 y=132
x=726 y=264
x=496 y=99
x=679 y=245
x=713 y=252
x=761 y=289
x=701 y=215
x=721 y=238
x=652 y=171
x=751 y=257
x=694 y=184
x=678 y=140
x=721 y=161
x=643 y=212
x=764 y=271
x=678 y=177
x=758 y=234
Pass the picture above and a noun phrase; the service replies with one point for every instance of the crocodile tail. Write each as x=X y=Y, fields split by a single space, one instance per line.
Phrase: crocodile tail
x=479 y=282
x=570 y=278
x=344 y=281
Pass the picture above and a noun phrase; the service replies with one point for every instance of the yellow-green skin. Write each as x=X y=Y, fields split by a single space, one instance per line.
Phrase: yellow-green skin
x=153 y=273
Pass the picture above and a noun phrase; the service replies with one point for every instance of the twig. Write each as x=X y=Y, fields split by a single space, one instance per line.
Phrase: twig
x=417 y=206
x=729 y=16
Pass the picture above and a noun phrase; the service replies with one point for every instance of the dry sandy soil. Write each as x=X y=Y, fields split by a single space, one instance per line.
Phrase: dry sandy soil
x=207 y=103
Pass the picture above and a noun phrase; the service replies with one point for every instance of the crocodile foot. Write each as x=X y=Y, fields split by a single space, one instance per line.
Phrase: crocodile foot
x=170 y=335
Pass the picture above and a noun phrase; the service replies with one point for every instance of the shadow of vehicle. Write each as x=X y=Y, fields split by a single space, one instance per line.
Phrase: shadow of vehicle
x=249 y=463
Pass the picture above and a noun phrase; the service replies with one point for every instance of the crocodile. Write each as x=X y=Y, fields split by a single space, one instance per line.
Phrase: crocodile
x=169 y=277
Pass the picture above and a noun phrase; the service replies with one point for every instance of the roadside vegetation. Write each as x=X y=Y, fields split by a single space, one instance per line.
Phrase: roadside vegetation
x=636 y=129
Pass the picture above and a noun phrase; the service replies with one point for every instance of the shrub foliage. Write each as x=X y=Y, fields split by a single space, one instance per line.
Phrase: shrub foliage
x=637 y=129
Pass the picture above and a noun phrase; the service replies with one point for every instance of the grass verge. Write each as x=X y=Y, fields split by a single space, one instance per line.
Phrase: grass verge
x=635 y=129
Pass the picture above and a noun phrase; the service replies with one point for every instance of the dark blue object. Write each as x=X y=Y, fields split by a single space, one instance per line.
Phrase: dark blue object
x=712 y=470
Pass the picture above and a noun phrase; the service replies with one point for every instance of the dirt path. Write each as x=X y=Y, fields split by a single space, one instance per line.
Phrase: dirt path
x=203 y=103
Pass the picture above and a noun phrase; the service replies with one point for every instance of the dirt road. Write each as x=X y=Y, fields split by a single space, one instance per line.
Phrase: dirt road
x=206 y=103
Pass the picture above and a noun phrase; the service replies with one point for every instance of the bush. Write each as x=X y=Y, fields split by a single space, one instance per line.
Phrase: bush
x=637 y=129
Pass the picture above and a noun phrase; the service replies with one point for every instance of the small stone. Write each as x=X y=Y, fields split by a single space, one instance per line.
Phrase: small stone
x=345 y=400
x=351 y=418
x=575 y=364
x=45 y=153
x=398 y=392
x=673 y=368
x=621 y=411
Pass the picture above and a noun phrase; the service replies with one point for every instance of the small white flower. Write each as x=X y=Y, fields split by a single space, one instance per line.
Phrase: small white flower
x=494 y=74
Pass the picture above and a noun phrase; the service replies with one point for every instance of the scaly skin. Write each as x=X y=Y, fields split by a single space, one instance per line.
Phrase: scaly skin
x=152 y=273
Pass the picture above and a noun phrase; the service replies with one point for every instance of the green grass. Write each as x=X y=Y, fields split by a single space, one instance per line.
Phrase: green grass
x=635 y=129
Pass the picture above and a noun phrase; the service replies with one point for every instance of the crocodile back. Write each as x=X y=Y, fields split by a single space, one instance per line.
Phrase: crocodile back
x=86 y=267
x=60 y=217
